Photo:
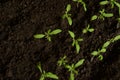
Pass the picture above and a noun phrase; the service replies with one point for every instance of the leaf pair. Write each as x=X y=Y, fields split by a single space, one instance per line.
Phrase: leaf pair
x=67 y=15
x=82 y=2
x=72 y=68
x=45 y=75
x=88 y=29
x=48 y=34
x=102 y=15
x=75 y=41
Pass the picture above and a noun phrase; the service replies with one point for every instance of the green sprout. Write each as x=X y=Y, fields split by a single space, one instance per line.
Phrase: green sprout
x=88 y=29
x=72 y=68
x=75 y=41
x=102 y=15
x=82 y=2
x=48 y=34
x=112 y=3
x=45 y=75
x=104 y=47
x=67 y=15
x=62 y=61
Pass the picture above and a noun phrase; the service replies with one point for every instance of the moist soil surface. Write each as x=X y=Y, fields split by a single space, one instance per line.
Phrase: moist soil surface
x=20 y=52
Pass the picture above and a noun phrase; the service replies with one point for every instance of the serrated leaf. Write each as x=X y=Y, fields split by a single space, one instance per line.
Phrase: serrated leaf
x=95 y=53
x=56 y=31
x=79 y=63
x=77 y=47
x=116 y=38
x=94 y=17
x=69 y=20
x=39 y=36
x=108 y=15
x=72 y=77
x=51 y=75
x=104 y=2
x=72 y=34
x=68 y=8
x=106 y=44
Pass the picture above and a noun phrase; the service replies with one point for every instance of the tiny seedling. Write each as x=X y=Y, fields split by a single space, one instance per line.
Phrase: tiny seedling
x=102 y=15
x=75 y=41
x=67 y=15
x=62 y=61
x=104 y=47
x=45 y=75
x=112 y=3
x=88 y=29
x=82 y=2
x=48 y=34
x=71 y=68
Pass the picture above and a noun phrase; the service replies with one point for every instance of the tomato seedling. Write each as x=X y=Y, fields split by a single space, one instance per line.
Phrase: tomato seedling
x=67 y=15
x=75 y=41
x=88 y=29
x=48 y=34
x=102 y=15
x=81 y=2
x=45 y=74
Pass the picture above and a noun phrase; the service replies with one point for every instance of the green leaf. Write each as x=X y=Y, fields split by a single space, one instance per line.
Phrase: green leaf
x=84 y=5
x=79 y=63
x=71 y=76
x=79 y=39
x=39 y=36
x=108 y=15
x=94 y=17
x=68 y=8
x=56 y=31
x=39 y=67
x=95 y=53
x=69 y=20
x=75 y=0
x=106 y=44
x=77 y=47
x=72 y=34
x=116 y=38
x=42 y=77
x=91 y=30
x=117 y=4
x=104 y=2
x=84 y=31
x=51 y=75
x=100 y=57
x=103 y=50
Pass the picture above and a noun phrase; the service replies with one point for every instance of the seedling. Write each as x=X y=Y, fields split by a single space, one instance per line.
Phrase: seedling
x=81 y=2
x=62 y=61
x=104 y=47
x=88 y=29
x=102 y=15
x=67 y=15
x=48 y=34
x=112 y=3
x=75 y=41
x=71 y=68
x=45 y=75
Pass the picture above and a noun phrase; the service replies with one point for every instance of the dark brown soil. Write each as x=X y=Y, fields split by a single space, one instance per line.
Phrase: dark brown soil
x=20 y=52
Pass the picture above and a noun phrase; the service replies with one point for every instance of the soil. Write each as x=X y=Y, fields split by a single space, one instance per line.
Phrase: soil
x=20 y=52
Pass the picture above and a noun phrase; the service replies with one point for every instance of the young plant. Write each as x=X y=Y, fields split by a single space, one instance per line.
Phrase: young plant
x=104 y=47
x=67 y=15
x=102 y=15
x=62 y=61
x=48 y=34
x=75 y=41
x=45 y=75
x=82 y=2
x=112 y=3
x=88 y=29
x=71 y=68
